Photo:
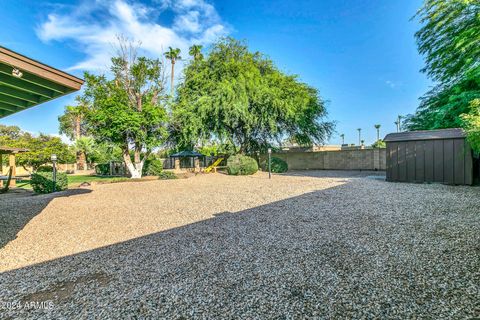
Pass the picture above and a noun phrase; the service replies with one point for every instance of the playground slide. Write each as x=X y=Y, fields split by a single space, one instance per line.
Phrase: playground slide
x=213 y=165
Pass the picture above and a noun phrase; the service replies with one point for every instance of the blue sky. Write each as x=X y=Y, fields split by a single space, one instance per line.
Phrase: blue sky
x=360 y=54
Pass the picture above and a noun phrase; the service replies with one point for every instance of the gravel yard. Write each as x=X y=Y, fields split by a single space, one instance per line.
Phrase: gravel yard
x=315 y=244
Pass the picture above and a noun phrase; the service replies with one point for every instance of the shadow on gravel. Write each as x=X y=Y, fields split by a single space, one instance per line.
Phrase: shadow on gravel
x=351 y=251
x=18 y=208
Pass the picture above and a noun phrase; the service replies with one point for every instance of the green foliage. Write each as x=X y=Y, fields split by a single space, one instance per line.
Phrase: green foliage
x=173 y=54
x=472 y=125
x=40 y=148
x=449 y=38
x=241 y=165
x=105 y=152
x=443 y=106
x=167 y=175
x=379 y=144
x=72 y=122
x=102 y=169
x=153 y=167
x=196 y=52
x=128 y=111
x=42 y=182
x=238 y=96
x=277 y=165
x=44 y=169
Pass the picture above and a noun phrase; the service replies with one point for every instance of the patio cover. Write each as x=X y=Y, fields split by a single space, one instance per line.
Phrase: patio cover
x=25 y=83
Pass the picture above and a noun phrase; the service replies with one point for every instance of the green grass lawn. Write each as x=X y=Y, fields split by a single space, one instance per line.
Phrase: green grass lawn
x=73 y=181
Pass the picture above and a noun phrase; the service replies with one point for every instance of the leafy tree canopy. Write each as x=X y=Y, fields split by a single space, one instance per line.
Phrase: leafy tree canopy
x=449 y=38
x=442 y=107
x=128 y=110
x=40 y=148
x=239 y=96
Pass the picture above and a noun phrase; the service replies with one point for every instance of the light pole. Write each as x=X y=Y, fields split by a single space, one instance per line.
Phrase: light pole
x=269 y=163
x=54 y=162
x=359 y=136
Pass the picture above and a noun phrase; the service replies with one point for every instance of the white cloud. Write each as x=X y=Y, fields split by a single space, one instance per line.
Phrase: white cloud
x=393 y=84
x=93 y=26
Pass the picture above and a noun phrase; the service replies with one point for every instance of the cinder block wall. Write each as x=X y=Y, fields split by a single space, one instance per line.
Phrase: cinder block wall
x=364 y=159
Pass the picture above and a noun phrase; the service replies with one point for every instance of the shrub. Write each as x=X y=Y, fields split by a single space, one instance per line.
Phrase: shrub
x=241 y=165
x=379 y=144
x=102 y=169
x=42 y=182
x=166 y=175
x=277 y=165
x=45 y=169
x=153 y=167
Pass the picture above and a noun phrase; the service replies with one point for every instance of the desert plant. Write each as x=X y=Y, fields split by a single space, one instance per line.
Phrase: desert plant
x=241 y=165
x=277 y=165
x=42 y=182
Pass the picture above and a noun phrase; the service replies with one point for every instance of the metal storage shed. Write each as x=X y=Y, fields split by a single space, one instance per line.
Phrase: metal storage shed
x=429 y=156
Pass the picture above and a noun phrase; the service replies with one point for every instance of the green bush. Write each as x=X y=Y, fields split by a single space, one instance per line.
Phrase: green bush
x=241 y=165
x=153 y=167
x=102 y=169
x=45 y=169
x=42 y=182
x=166 y=175
x=277 y=165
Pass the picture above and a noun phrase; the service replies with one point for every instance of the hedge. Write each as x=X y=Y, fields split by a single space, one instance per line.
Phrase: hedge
x=153 y=167
x=42 y=182
x=277 y=165
x=241 y=165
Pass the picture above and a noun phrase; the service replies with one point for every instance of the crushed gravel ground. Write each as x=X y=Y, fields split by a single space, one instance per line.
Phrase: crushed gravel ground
x=315 y=244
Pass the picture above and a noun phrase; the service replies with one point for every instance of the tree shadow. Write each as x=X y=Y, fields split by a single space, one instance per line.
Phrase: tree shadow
x=19 y=206
x=340 y=252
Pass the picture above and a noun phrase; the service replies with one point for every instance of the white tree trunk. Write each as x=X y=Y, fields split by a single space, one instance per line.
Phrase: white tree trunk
x=135 y=169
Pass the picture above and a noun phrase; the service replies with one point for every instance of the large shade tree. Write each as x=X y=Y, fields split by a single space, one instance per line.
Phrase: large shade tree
x=128 y=110
x=239 y=96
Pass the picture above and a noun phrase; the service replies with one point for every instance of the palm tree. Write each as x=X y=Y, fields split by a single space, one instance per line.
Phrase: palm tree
x=399 y=123
x=85 y=145
x=377 y=126
x=173 y=55
x=196 y=52
x=343 y=138
x=359 y=136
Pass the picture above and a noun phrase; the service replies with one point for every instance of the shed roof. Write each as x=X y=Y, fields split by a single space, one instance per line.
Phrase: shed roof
x=186 y=154
x=25 y=82
x=455 y=133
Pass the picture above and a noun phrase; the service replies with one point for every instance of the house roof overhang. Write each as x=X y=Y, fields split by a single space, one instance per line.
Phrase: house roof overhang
x=25 y=83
